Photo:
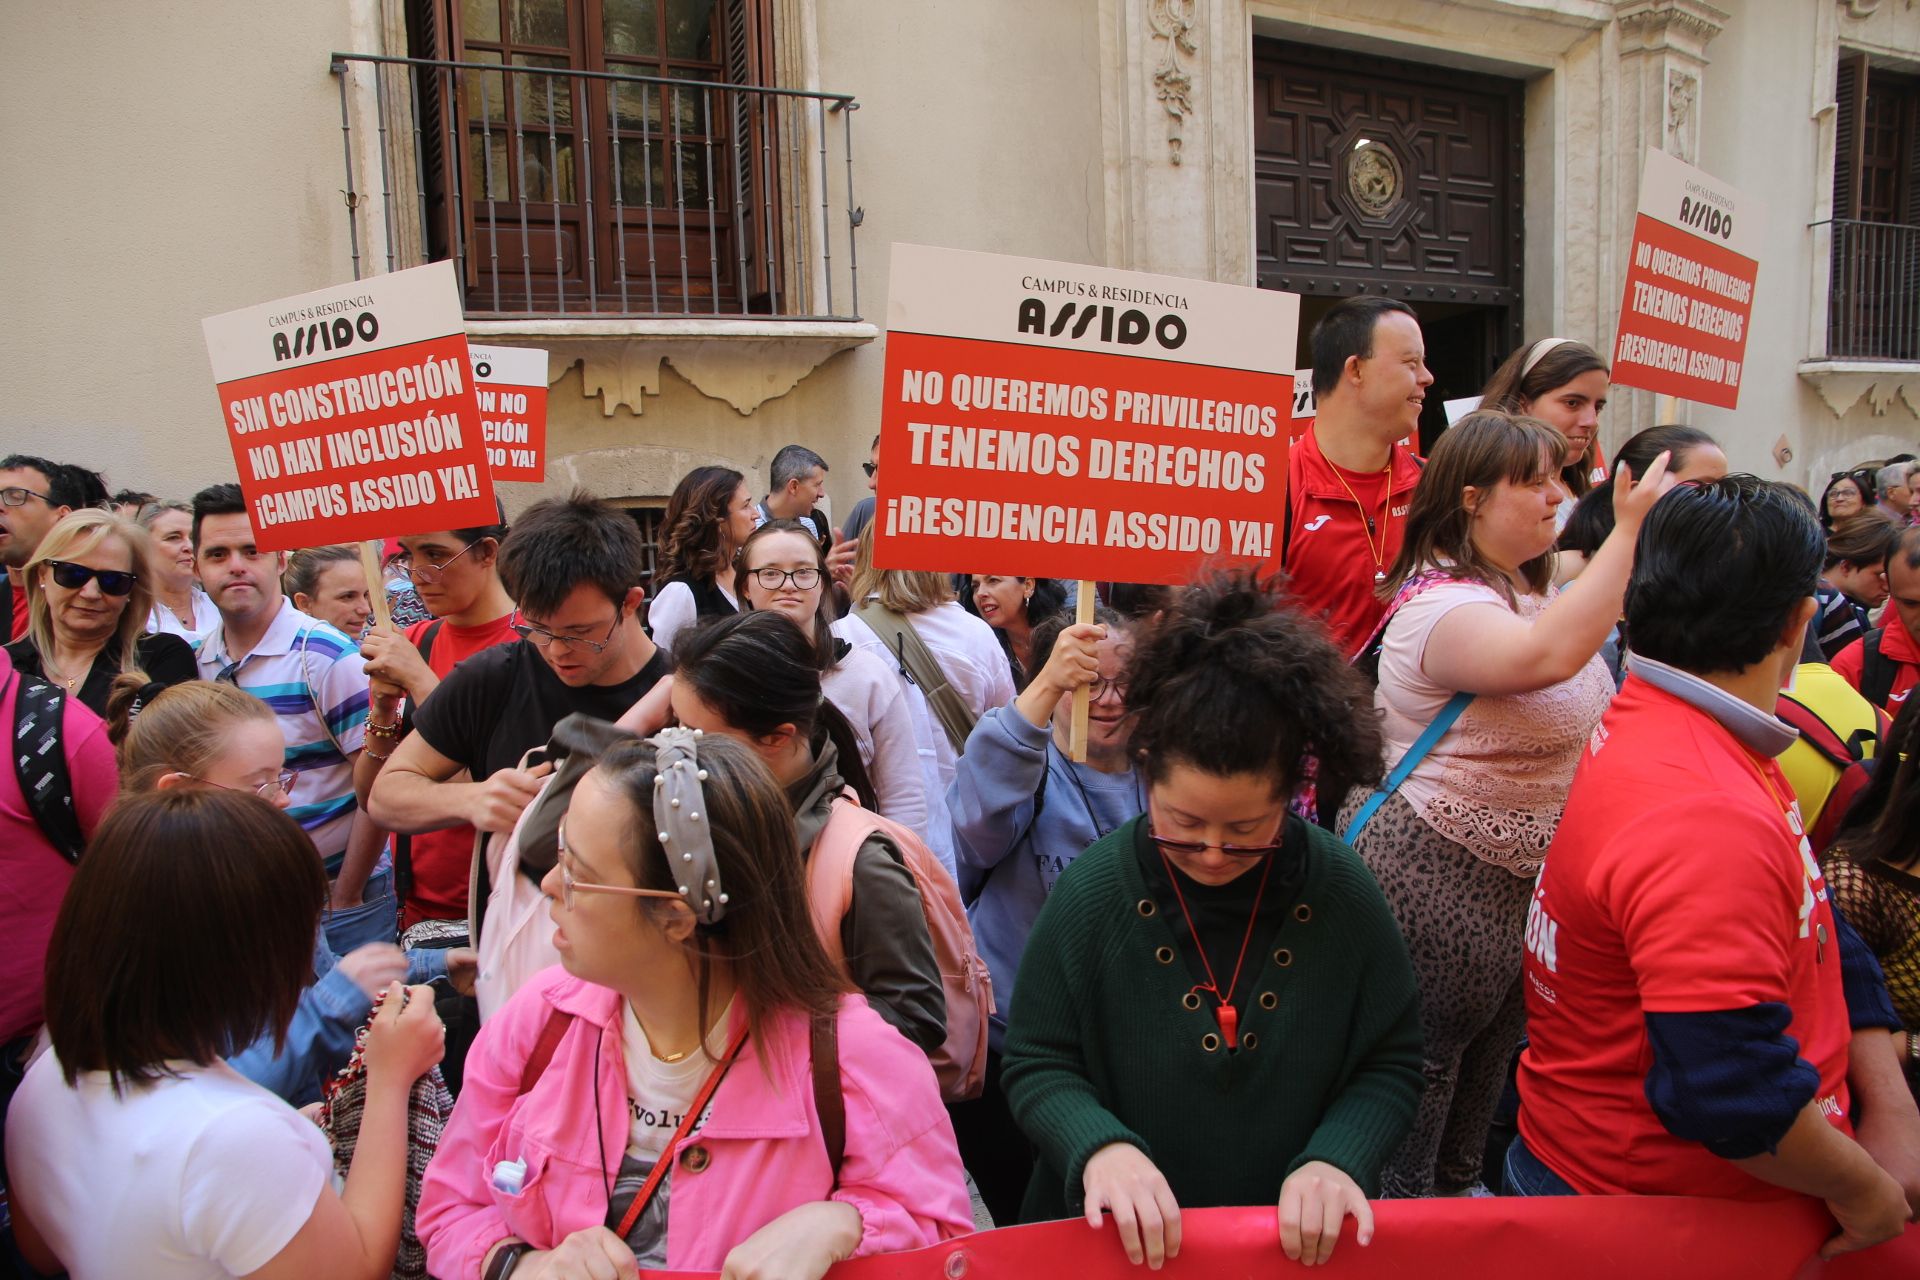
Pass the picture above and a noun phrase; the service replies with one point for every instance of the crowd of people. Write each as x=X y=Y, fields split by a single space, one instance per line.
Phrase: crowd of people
x=754 y=912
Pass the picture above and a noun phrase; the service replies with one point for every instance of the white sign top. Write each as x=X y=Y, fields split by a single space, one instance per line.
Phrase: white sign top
x=1674 y=192
x=373 y=314
x=509 y=366
x=962 y=294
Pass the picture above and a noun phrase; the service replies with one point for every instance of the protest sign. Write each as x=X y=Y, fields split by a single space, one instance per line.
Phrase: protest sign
x=1063 y=421
x=351 y=411
x=1303 y=407
x=1690 y=279
x=512 y=389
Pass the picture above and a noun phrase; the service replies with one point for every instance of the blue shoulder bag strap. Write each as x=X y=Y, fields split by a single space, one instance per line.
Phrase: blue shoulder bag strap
x=1415 y=754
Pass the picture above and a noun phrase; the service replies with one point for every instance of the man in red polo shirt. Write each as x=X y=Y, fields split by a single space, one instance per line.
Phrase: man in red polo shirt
x=1348 y=481
x=1884 y=664
x=1700 y=1020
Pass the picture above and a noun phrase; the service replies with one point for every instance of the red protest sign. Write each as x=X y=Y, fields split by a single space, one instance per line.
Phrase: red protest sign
x=351 y=411
x=1062 y=421
x=512 y=390
x=1690 y=278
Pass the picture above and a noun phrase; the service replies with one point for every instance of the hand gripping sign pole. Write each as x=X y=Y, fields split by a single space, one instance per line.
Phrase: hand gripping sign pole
x=1049 y=419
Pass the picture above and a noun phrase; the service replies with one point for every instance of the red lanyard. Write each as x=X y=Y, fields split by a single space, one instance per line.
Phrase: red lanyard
x=694 y=1112
x=1223 y=1011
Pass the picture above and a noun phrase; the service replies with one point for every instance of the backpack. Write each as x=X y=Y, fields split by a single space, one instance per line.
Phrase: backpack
x=40 y=764
x=961 y=1060
x=1852 y=755
x=1877 y=671
x=921 y=666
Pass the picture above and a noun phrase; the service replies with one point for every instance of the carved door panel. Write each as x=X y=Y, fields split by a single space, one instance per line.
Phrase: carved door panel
x=1373 y=176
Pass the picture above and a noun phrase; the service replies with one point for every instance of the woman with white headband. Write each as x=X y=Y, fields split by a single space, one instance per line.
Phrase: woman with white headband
x=1564 y=384
x=693 y=1088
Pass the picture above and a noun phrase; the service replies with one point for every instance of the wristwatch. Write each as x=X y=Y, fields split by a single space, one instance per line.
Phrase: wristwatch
x=506 y=1258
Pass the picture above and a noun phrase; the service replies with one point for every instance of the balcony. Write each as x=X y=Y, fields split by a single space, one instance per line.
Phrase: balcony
x=1873 y=291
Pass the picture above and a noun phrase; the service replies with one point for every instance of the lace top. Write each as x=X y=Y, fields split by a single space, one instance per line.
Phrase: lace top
x=1882 y=903
x=1497 y=781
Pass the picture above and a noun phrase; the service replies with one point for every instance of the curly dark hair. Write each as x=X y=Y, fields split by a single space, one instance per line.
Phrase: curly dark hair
x=1236 y=679
x=690 y=534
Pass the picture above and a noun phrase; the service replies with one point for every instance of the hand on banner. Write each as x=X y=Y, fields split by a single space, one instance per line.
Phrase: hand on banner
x=504 y=796
x=1632 y=501
x=840 y=560
x=800 y=1244
x=394 y=660
x=406 y=1036
x=1074 y=664
x=1314 y=1201
x=594 y=1253
x=1122 y=1181
x=652 y=713
x=374 y=966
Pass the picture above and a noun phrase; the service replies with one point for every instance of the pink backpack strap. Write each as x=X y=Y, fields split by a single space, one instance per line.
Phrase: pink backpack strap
x=830 y=870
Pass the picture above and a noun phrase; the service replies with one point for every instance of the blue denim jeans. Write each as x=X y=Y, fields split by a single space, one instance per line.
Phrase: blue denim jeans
x=376 y=919
x=1528 y=1176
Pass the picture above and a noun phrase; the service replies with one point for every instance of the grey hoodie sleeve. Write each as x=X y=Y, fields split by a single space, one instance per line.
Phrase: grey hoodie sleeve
x=889 y=951
x=991 y=796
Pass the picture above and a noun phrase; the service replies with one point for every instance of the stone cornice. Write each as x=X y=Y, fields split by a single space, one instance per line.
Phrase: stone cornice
x=1693 y=18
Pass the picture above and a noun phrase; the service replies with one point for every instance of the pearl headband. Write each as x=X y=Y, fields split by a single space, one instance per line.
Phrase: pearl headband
x=685 y=834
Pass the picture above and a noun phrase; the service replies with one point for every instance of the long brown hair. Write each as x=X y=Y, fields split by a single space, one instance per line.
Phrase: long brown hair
x=1479 y=451
x=767 y=933
x=1514 y=387
x=690 y=534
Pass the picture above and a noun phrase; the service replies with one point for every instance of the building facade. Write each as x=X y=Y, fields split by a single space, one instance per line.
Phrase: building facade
x=689 y=203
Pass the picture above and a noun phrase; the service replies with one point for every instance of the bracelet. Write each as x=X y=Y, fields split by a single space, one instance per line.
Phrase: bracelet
x=387 y=731
x=1913 y=1047
x=371 y=754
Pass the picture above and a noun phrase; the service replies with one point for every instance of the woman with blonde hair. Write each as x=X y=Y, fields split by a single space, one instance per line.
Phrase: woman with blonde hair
x=89 y=591
x=1490 y=684
x=910 y=619
x=180 y=607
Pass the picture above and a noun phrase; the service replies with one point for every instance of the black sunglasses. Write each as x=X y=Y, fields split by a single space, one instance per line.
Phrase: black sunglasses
x=113 y=582
x=869 y=468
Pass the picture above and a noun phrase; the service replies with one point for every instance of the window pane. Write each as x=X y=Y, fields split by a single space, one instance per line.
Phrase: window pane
x=486 y=90
x=480 y=20
x=693 y=174
x=540 y=94
x=690 y=106
x=539 y=22
x=636 y=106
x=487 y=170
x=643 y=174
x=689 y=29
x=632 y=27
x=538 y=168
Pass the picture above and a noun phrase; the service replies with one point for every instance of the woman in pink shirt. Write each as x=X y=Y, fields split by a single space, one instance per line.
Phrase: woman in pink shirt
x=654 y=1100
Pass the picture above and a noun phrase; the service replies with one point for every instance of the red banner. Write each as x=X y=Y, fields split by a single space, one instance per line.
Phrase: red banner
x=1570 y=1238
x=513 y=410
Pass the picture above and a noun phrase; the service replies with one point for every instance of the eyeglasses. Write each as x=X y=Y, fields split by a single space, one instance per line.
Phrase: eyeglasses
x=772 y=579
x=281 y=782
x=15 y=496
x=870 y=468
x=569 y=886
x=1196 y=847
x=113 y=582
x=1101 y=688
x=543 y=637
x=428 y=573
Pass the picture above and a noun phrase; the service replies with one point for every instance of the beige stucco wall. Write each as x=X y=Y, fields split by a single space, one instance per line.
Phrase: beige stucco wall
x=165 y=162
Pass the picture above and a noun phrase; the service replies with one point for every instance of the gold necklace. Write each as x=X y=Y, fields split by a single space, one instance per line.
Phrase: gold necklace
x=1379 y=553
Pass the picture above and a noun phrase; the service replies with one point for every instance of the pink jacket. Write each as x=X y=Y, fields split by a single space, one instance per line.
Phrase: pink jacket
x=761 y=1149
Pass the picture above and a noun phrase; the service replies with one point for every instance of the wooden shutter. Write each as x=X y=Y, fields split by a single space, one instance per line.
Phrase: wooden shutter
x=749 y=55
x=432 y=33
x=1848 y=135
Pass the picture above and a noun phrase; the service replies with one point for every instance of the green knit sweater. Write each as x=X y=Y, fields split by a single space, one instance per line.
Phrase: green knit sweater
x=1100 y=1048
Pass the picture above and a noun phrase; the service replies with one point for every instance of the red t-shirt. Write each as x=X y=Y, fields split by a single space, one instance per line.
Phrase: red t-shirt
x=1330 y=554
x=1679 y=882
x=19 y=594
x=1897 y=647
x=442 y=860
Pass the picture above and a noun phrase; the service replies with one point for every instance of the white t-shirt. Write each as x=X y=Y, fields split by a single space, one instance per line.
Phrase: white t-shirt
x=206 y=616
x=673 y=610
x=198 y=1174
x=658 y=1095
x=871 y=696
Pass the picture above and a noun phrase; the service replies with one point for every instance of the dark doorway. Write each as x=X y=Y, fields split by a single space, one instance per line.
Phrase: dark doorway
x=1399 y=179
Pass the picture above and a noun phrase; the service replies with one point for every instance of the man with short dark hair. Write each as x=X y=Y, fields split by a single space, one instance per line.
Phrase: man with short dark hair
x=1701 y=1021
x=315 y=680
x=34 y=494
x=798 y=478
x=1884 y=664
x=1349 y=480
x=572 y=564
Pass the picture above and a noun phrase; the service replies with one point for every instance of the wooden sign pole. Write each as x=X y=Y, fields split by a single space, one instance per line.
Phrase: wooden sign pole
x=1082 y=699
x=376 y=582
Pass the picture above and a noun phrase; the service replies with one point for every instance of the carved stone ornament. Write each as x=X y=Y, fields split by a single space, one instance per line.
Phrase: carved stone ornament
x=1681 y=90
x=1374 y=179
x=1861 y=8
x=1172 y=21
